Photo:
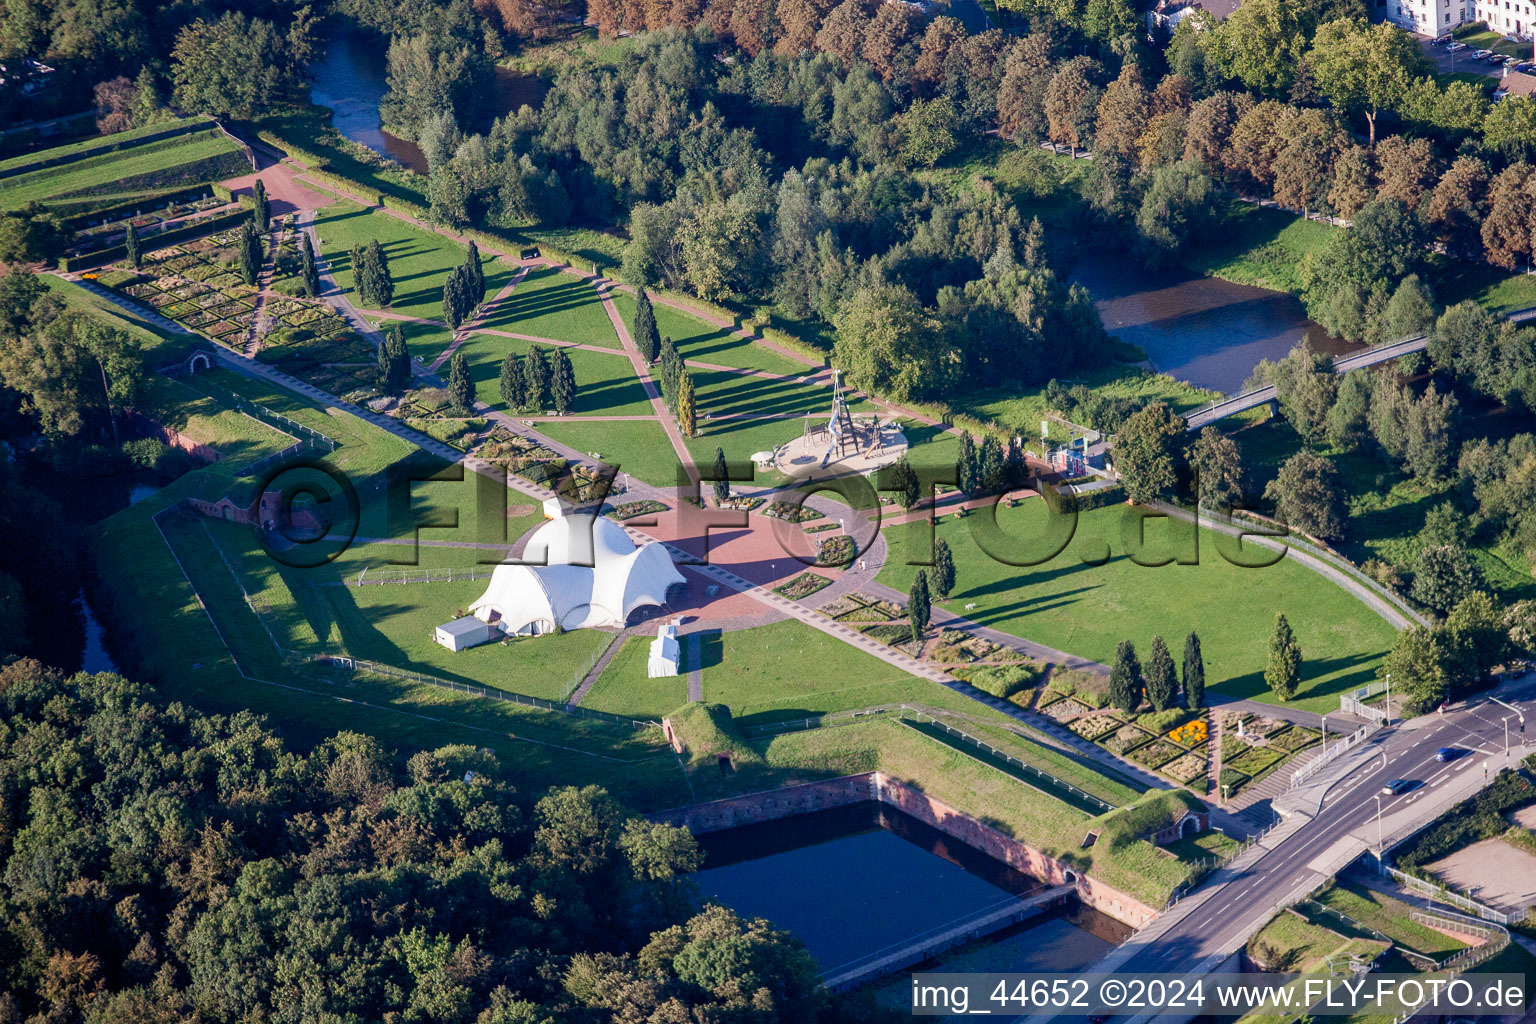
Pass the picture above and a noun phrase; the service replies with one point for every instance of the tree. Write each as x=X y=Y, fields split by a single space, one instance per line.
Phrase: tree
x=671 y=365
x=1194 y=673
x=1442 y=575
x=1218 y=464
x=1125 y=678
x=455 y=298
x=1122 y=113
x=943 y=573
x=1161 y=680
x=514 y=389
x=1511 y=206
x=1071 y=103
x=1210 y=126
x=903 y=480
x=1178 y=210
x=371 y=278
x=1365 y=68
x=399 y=374
x=1510 y=127
x=722 y=479
x=647 y=338
x=382 y=367
x=927 y=131
x=72 y=371
x=1476 y=637
x=686 y=415
x=1283 y=670
x=1405 y=170
x=1145 y=453
x=309 y=273
x=31 y=234
x=1305 y=385
x=536 y=378
x=1457 y=207
x=250 y=253
x=919 y=605
x=1261 y=44
x=1349 y=419
x=234 y=67
x=261 y=210
x=131 y=244
x=461 y=388
x=889 y=345
x=475 y=273
x=1417 y=665
x=1351 y=187
x=1308 y=493
x=562 y=382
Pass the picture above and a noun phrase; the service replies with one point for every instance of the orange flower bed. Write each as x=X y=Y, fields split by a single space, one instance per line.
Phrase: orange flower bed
x=1190 y=734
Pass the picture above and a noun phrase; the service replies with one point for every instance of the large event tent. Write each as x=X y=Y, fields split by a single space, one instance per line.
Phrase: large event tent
x=593 y=575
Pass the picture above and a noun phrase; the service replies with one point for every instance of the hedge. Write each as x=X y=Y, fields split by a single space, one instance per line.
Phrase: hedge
x=1470 y=821
x=197 y=229
x=122 y=211
x=181 y=128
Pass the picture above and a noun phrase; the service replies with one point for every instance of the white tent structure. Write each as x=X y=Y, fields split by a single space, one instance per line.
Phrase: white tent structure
x=593 y=575
x=665 y=653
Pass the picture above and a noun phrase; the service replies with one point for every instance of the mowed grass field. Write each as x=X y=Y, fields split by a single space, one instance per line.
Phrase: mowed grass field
x=606 y=385
x=639 y=448
x=122 y=175
x=419 y=261
x=550 y=303
x=702 y=341
x=625 y=687
x=1087 y=609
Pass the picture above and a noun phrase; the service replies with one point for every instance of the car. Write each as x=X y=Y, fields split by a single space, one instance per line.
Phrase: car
x=1441 y=41
x=1445 y=754
x=1524 y=67
x=1510 y=62
x=1497 y=58
x=1456 y=47
x=1395 y=787
x=1480 y=54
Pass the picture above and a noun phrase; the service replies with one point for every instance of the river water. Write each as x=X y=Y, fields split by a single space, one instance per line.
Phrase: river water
x=351 y=79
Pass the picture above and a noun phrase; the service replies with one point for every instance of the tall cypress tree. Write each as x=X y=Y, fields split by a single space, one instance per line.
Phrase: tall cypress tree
x=1194 y=673
x=647 y=338
x=671 y=372
x=131 y=244
x=943 y=570
x=355 y=264
x=562 y=382
x=1162 y=683
x=722 y=476
x=399 y=360
x=1015 y=468
x=262 y=207
x=309 y=273
x=1283 y=671
x=686 y=415
x=919 y=606
x=379 y=289
x=454 y=298
x=1125 y=678
x=476 y=274
x=536 y=378
x=385 y=372
x=989 y=466
x=965 y=464
x=250 y=253
x=514 y=393
x=461 y=390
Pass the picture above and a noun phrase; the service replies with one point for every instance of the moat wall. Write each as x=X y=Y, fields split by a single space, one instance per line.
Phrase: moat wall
x=778 y=804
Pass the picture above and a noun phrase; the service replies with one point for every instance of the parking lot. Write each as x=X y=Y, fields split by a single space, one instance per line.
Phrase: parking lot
x=1462 y=61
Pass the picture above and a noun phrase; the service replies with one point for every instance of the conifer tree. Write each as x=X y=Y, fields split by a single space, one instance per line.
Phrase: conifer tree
x=262 y=207
x=309 y=273
x=965 y=464
x=671 y=371
x=131 y=244
x=399 y=360
x=903 y=480
x=375 y=287
x=647 y=338
x=919 y=606
x=355 y=264
x=476 y=272
x=686 y=418
x=1283 y=671
x=536 y=378
x=562 y=382
x=384 y=374
x=943 y=570
x=455 y=298
x=1125 y=678
x=514 y=394
x=1162 y=682
x=461 y=390
x=1194 y=673
x=250 y=253
x=722 y=478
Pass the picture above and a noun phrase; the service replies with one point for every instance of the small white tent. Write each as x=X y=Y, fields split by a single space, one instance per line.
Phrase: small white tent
x=592 y=575
x=665 y=652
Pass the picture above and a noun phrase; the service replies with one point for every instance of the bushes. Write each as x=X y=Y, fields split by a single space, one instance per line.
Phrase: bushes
x=1471 y=821
x=1089 y=687
x=1003 y=680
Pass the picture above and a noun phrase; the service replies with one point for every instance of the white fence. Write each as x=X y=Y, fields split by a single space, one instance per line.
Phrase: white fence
x=1330 y=752
x=1444 y=895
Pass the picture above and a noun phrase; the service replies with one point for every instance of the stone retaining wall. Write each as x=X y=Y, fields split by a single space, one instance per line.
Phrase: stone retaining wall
x=777 y=804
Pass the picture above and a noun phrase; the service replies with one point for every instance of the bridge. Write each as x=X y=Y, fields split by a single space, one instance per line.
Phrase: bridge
x=1343 y=364
x=946 y=936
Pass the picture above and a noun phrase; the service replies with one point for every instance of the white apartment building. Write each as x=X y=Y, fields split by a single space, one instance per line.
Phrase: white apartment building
x=1437 y=17
x=1511 y=17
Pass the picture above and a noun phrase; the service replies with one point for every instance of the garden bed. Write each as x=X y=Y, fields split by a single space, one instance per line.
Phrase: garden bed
x=1156 y=753
x=1065 y=708
x=835 y=552
x=1091 y=727
x=635 y=509
x=803 y=586
x=1125 y=739
x=1186 y=768
x=791 y=513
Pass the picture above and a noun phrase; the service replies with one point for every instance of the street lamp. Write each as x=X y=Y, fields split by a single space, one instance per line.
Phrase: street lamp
x=1506 y=735
x=1325 y=738
x=1379 y=840
x=1389 y=700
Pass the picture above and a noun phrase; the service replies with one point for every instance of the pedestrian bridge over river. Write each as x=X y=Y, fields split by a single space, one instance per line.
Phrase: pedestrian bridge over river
x=1343 y=364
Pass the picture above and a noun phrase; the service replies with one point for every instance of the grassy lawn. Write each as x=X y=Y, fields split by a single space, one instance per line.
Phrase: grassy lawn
x=419 y=261
x=703 y=341
x=1502 y=291
x=624 y=688
x=1086 y=610
x=638 y=448
x=102 y=142
x=1488 y=39
x=1261 y=246
x=606 y=385
x=1021 y=410
x=552 y=304
x=1388 y=916
x=1309 y=944
x=121 y=175
x=762 y=413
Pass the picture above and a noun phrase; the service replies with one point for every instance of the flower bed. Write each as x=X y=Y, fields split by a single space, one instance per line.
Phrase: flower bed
x=1296 y=738
x=1156 y=753
x=835 y=552
x=1067 y=707
x=803 y=586
x=1091 y=727
x=819 y=527
x=1190 y=734
x=633 y=509
x=1257 y=760
x=890 y=633
x=741 y=504
x=1233 y=781
x=791 y=513
x=1125 y=739
x=1186 y=768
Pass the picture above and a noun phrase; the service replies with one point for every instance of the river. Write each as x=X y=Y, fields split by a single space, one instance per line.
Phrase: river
x=1203 y=330
x=352 y=77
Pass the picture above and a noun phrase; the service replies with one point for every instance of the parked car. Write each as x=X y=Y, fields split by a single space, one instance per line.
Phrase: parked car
x=1441 y=41
x=1524 y=67
x=1395 y=787
x=1456 y=47
x=1497 y=59
x=1480 y=54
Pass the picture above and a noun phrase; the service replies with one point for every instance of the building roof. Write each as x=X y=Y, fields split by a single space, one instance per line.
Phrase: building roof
x=1517 y=83
x=593 y=575
x=466 y=626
